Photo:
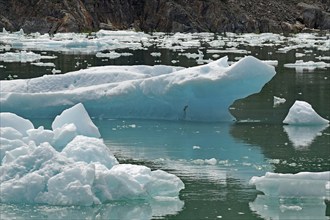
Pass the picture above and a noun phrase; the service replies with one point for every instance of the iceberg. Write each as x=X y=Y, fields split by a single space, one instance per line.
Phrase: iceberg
x=303 y=184
x=301 y=113
x=201 y=93
x=84 y=172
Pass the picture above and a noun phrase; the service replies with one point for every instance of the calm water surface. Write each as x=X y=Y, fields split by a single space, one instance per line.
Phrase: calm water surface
x=214 y=160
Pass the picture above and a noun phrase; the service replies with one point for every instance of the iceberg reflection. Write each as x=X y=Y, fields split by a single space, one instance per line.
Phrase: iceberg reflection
x=269 y=207
x=119 y=210
x=303 y=136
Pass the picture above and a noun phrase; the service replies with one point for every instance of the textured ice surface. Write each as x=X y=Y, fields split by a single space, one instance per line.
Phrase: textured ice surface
x=302 y=113
x=82 y=171
x=303 y=184
x=201 y=93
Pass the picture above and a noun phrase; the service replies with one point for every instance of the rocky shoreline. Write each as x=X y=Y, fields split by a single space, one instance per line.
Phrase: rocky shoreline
x=239 y=16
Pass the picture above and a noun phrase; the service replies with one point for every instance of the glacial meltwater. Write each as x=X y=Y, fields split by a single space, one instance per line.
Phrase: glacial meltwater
x=253 y=167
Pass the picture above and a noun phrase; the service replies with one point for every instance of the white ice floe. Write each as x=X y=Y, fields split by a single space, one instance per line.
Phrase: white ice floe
x=300 y=65
x=323 y=57
x=278 y=101
x=23 y=57
x=302 y=113
x=271 y=62
x=84 y=172
x=303 y=184
x=43 y=64
x=156 y=54
x=201 y=93
x=112 y=55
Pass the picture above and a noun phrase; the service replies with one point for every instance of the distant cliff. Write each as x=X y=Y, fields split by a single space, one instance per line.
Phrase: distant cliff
x=51 y=16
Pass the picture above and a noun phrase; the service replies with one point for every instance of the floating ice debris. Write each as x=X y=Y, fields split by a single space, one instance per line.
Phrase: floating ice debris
x=155 y=54
x=302 y=113
x=300 y=65
x=43 y=64
x=271 y=62
x=207 y=91
x=299 y=54
x=278 y=101
x=112 y=40
x=112 y=55
x=23 y=57
x=323 y=57
x=55 y=71
x=229 y=50
x=84 y=172
x=211 y=161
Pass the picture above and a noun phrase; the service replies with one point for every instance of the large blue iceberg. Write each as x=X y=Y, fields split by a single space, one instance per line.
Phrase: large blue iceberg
x=201 y=93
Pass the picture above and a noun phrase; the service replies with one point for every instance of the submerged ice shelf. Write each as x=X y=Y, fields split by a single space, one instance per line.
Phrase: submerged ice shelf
x=70 y=165
x=201 y=93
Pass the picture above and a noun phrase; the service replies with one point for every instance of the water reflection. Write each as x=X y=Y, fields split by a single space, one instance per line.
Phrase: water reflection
x=281 y=148
x=119 y=210
x=289 y=208
x=303 y=136
x=194 y=149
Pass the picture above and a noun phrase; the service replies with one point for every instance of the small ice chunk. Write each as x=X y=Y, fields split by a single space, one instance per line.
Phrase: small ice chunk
x=302 y=113
x=78 y=116
x=278 y=101
x=155 y=54
x=44 y=64
x=211 y=161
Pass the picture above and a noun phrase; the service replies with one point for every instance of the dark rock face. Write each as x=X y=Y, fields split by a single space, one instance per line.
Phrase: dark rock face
x=51 y=16
x=314 y=17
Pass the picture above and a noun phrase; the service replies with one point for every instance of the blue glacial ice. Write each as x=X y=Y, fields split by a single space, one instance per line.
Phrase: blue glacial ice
x=70 y=165
x=201 y=93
